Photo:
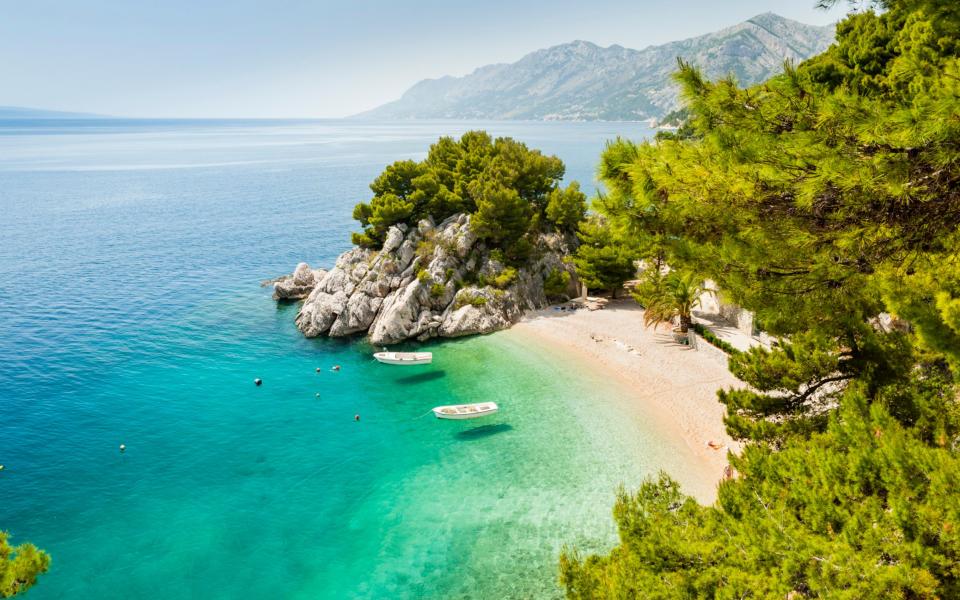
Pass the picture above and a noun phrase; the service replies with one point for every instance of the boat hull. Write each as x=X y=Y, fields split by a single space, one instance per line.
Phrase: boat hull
x=397 y=358
x=465 y=411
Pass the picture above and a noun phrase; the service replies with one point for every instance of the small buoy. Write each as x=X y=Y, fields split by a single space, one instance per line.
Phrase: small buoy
x=123 y=447
x=1 y=467
x=257 y=381
x=317 y=394
x=318 y=369
x=356 y=417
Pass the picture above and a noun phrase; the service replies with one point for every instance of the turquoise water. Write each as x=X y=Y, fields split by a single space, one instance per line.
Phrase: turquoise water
x=130 y=312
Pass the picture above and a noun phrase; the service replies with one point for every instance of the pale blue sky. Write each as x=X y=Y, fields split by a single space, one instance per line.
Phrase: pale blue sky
x=298 y=58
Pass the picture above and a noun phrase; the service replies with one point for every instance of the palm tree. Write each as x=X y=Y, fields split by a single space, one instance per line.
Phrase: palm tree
x=666 y=298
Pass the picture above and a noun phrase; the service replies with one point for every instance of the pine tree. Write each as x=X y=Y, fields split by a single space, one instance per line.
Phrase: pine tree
x=819 y=200
x=862 y=510
x=20 y=566
x=604 y=261
x=566 y=208
x=511 y=191
x=827 y=201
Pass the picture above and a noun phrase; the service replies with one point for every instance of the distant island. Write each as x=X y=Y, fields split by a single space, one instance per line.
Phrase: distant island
x=22 y=112
x=582 y=81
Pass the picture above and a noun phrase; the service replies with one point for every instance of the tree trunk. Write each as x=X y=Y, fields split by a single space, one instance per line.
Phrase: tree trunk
x=685 y=322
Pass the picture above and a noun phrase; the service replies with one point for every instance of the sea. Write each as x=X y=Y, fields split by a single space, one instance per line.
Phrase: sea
x=131 y=312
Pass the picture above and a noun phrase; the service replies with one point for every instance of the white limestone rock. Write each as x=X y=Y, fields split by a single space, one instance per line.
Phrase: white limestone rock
x=357 y=315
x=299 y=285
x=399 y=315
x=396 y=294
x=319 y=311
x=482 y=310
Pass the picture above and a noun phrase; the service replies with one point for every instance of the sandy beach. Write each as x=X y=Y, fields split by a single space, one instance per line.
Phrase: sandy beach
x=670 y=383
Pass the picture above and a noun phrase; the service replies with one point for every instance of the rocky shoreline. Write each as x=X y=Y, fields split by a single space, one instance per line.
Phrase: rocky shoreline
x=432 y=280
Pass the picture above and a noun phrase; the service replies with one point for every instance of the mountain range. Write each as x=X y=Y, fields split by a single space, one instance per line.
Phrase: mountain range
x=582 y=81
x=22 y=112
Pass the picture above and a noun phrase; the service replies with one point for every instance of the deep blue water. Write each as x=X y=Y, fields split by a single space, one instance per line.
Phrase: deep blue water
x=130 y=312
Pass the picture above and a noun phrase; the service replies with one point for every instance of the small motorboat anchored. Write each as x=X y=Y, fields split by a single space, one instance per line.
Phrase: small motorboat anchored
x=466 y=411
x=404 y=358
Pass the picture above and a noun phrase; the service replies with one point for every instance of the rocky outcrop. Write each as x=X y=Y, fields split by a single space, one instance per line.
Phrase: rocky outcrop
x=427 y=281
x=480 y=311
x=299 y=285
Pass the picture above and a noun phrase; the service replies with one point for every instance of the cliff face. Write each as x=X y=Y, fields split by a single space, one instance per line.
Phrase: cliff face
x=428 y=281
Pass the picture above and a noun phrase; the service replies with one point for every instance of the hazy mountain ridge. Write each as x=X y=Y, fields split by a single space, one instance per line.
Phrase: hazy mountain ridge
x=581 y=80
x=22 y=112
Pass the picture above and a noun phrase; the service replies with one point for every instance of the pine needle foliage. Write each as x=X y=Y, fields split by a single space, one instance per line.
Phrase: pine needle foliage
x=19 y=566
x=827 y=201
x=820 y=200
x=510 y=191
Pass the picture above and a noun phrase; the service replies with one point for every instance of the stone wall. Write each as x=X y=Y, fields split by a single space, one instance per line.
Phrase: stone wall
x=739 y=317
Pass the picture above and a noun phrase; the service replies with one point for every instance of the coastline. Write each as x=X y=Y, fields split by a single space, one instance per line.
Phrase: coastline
x=165 y=365
x=664 y=383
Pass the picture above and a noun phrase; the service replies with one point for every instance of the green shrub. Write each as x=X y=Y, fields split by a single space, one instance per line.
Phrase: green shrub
x=469 y=298
x=555 y=284
x=363 y=240
x=424 y=276
x=450 y=246
x=425 y=249
x=437 y=290
x=712 y=339
x=505 y=278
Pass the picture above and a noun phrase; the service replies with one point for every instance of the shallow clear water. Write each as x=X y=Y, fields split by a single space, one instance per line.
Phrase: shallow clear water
x=130 y=312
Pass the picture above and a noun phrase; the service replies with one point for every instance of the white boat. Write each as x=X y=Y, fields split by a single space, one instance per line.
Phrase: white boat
x=404 y=358
x=466 y=411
